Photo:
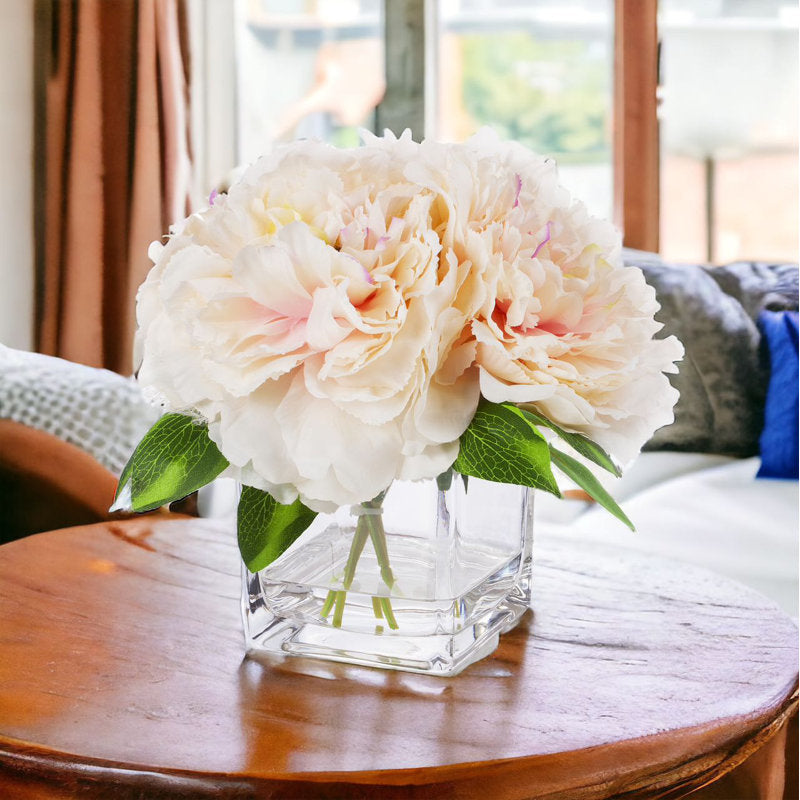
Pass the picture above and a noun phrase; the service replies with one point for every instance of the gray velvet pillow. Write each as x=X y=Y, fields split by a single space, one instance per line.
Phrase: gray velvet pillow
x=723 y=377
x=758 y=285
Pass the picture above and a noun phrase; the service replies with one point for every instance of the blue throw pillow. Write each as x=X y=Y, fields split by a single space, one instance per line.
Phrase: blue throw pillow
x=779 y=439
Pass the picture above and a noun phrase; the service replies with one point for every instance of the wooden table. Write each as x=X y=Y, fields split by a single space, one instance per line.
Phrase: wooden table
x=122 y=675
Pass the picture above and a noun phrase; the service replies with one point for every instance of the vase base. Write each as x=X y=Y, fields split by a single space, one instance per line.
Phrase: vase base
x=439 y=654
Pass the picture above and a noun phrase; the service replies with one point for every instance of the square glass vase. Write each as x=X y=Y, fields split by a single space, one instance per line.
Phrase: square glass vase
x=442 y=573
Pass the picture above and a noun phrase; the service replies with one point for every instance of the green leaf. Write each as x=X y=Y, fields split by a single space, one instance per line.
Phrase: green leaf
x=586 y=447
x=583 y=477
x=445 y=480
x=501 y=445
x=266 y=528
x=174 y=459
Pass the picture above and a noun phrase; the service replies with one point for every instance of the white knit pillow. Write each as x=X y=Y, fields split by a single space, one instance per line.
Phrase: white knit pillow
x=99 y=411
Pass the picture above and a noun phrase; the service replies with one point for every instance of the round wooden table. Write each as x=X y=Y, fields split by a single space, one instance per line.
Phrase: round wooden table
x=122 y=675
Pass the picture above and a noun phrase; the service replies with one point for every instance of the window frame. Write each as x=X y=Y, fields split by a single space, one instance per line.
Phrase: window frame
x=636 y=150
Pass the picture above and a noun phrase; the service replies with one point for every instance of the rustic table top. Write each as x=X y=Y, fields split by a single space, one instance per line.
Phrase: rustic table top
x=122 y=662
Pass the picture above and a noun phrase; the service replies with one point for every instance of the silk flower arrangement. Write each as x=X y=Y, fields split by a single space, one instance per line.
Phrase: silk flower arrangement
x=345 y=318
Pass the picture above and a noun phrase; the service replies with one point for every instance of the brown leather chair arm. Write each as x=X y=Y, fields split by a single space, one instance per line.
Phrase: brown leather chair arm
x=47 y=483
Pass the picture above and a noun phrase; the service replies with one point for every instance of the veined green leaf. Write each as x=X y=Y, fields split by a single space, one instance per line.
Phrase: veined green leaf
x=586 y=447
x=583 y=477
x=266 y=528
x=174 y=459
x=501 y=445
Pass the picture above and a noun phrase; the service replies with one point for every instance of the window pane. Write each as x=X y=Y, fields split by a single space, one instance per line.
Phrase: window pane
x=306 y=68
x=537 y=72
x=729 y=143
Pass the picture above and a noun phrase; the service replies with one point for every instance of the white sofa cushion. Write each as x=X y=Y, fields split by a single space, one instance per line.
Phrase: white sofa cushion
x=706 y=510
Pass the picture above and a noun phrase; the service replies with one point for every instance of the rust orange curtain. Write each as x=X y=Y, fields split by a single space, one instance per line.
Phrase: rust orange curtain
x=115 y=166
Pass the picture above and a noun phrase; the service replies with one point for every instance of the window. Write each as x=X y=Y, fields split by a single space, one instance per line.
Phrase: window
x=543 y=72
x=307 y=70
x=539 y=73
x=266 y=71
x=729 y=138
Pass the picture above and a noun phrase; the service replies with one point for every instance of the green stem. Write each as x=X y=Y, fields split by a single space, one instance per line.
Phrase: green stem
x=328 y=604
x=338 y=611
x=386 y=606
x=368 y=525
x=378 y=536
x=376 y=607
x=356 y=548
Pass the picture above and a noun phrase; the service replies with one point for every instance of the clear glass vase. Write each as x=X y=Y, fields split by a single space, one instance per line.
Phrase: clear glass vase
x=424 y=579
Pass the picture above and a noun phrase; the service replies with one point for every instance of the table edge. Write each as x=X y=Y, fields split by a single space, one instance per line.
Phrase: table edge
x=21 y=759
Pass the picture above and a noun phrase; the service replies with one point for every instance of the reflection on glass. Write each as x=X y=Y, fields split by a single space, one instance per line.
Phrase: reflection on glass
x=729 y=133
x=306 y=69
x=537 y=72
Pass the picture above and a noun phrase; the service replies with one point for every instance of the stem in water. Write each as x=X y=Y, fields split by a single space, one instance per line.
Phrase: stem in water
x=369 y=525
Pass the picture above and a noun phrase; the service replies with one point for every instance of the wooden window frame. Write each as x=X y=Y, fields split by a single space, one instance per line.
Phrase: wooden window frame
x=636 y=141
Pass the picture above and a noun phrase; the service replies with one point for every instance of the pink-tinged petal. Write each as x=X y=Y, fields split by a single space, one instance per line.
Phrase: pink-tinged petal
x=212 y=197
x=518 y=180
x=326 y=326
x=555 y=327
x=348 y=235
x=365 y=273
x=544 y=241
x=268 y=275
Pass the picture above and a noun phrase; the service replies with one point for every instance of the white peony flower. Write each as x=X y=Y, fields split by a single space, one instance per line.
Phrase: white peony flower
x=309 y=319
x=563 y=325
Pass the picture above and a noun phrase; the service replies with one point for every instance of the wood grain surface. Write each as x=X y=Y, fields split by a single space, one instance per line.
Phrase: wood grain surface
x=122 y=674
